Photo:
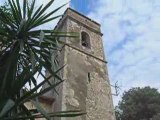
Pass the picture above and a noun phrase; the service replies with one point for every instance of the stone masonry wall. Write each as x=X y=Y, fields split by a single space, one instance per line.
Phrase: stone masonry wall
x=93 y=94
x=94 y=97
x=86 y=86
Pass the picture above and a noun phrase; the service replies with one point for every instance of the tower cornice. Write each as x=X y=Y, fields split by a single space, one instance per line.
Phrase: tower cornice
x=80 y=18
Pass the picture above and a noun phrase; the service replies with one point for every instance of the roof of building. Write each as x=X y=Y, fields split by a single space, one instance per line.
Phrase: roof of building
x=65 y=13
x=83 y=15
x=46 y=99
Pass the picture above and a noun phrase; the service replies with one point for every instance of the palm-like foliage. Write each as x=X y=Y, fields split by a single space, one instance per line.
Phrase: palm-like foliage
x=24 y=52
x=6 y=9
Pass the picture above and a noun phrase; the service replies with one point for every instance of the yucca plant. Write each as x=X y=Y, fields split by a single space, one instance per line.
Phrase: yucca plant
x=24 y=52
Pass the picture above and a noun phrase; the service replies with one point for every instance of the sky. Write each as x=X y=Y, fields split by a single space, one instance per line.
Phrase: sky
x=131 y=39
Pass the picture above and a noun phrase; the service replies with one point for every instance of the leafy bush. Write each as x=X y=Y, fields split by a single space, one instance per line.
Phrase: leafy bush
x=139 y=104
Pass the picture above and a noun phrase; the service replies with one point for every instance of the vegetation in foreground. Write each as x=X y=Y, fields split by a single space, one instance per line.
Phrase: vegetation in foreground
x=25 y=51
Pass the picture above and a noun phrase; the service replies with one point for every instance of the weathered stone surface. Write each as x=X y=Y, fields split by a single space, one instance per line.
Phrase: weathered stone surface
x=86 y=86
x=78 y=92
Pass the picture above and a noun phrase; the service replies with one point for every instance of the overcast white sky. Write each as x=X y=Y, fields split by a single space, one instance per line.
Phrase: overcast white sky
x=131 y=38
x=132 y=41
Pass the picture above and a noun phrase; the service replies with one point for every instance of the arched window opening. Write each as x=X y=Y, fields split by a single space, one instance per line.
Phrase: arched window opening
x=85 y=40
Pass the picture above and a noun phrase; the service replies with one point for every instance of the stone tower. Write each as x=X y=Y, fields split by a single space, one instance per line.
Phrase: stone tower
x=86 y=84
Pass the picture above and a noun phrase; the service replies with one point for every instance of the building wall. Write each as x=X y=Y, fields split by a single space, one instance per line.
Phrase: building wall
x=86 y=86
x=78 y=92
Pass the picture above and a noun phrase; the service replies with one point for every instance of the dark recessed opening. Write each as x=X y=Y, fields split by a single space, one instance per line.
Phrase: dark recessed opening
x=85 y=40
x=89 y=77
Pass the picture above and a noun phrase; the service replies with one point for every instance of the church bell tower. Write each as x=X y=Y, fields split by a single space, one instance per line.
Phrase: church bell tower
x=86 y=86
